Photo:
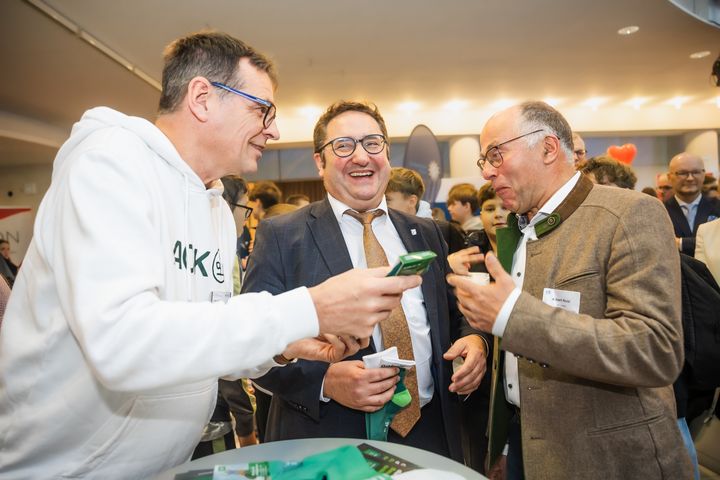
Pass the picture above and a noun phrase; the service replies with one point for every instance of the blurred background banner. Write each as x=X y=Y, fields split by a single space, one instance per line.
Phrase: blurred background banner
x=16 y=225
x=422 y=154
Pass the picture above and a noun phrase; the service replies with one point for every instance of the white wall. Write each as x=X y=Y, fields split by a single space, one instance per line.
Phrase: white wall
x=464 y=152
x=24 y=185
x=704 y=144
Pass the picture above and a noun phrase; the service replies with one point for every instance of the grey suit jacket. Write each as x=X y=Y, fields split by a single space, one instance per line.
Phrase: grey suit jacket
x=596 y=387
x=305 y=248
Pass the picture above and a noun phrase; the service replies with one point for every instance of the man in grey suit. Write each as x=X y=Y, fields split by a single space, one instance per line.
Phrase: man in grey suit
x=317 y=399
x=589 y=318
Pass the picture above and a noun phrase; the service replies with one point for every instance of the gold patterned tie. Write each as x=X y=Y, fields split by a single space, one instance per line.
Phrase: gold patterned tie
x=395 y=331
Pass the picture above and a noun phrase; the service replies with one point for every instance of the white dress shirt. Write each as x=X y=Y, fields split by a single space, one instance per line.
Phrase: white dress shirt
x=412 y=300
x=511 y=380
x=690 y=209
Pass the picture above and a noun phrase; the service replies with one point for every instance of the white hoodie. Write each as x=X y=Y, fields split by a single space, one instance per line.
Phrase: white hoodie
x=111 y=348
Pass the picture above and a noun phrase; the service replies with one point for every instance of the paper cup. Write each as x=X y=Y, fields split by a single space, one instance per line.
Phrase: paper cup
x=481 y=278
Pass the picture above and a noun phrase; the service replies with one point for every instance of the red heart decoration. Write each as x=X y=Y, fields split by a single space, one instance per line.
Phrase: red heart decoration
x=625 y=154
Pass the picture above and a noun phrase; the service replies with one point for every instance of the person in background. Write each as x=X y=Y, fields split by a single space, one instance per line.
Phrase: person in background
x=5 y=254
x=354 y=227
x=587 y=298
x=494 y=216
x=280 y=209
x=7 y=268
x=688 y=208
x=605 y=170
x=264 y=195
x=264 y=397
x=475 y=412
x=649 y=191
x=664 y=188
x=438 y=213
x=298 y=199
x=235 y=401
x=122 y=317
x=235 y=193
x=462 y=204
x=579 y=150
x=710 y=186
x=404 y=191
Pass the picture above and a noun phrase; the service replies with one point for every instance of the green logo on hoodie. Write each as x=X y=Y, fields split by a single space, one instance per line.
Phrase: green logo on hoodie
x=180 y=255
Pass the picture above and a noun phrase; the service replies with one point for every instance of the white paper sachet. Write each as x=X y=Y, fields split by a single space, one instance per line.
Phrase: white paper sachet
x=386 y=358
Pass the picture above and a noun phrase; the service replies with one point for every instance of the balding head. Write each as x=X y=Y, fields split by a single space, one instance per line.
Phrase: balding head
x=686 y=175
x=526 y=154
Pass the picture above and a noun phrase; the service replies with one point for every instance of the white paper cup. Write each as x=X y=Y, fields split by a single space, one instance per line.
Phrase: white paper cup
x=481 y=278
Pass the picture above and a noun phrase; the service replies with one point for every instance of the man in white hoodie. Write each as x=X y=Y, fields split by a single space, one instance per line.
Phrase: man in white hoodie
x=121 y=319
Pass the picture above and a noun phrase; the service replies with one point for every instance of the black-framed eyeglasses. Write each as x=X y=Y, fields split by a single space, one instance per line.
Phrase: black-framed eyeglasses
x=493 y=155
x=345 y=146
x=270 y=109
x=247 y=211
x=687 y=173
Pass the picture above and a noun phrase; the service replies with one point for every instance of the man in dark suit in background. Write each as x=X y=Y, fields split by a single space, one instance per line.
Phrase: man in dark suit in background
x=688 y=209
x=316 y=399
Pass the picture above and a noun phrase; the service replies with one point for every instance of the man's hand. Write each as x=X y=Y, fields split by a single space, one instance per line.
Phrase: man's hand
x=352 y=303
x=468 y=377
x=461 y=260
x=325 y=348
x=499 y=469
x=354 y=386
x=480 y=304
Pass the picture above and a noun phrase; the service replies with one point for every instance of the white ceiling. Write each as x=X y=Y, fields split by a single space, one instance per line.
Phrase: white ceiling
x=387 y=51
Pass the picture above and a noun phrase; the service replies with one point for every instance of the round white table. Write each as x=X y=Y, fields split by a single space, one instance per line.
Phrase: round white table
x=289 y=450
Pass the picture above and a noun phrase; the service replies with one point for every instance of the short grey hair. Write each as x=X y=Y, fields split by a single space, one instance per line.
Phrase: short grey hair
x=539 y=115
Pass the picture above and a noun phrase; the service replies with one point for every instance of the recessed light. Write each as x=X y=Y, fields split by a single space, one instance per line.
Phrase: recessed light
x=456 y=105
x=594 y=102
x=409 y=107
x=552 y=101
x=503 y=103
x=678 y=101
x=310 y=112
x=637 y=102
x=698 y=55
x=629 y=30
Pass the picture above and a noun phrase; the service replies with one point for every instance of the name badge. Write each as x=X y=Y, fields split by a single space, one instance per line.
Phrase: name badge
x=220 y=297
x=565 y=299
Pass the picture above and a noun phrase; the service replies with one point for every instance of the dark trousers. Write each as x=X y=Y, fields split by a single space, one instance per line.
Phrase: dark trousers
x=515 y=469
x=428 y=433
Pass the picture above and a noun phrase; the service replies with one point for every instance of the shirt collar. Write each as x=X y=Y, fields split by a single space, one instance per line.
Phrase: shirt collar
x=689 y=204
x=339 y=207
x=553 y=202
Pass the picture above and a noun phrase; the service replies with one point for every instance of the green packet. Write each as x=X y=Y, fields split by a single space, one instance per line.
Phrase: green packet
x=344 y=463
x=414 y=263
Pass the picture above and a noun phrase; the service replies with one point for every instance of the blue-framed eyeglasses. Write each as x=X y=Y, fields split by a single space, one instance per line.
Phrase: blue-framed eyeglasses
x=345 y=146
x=493 y=155
x=269 y=110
